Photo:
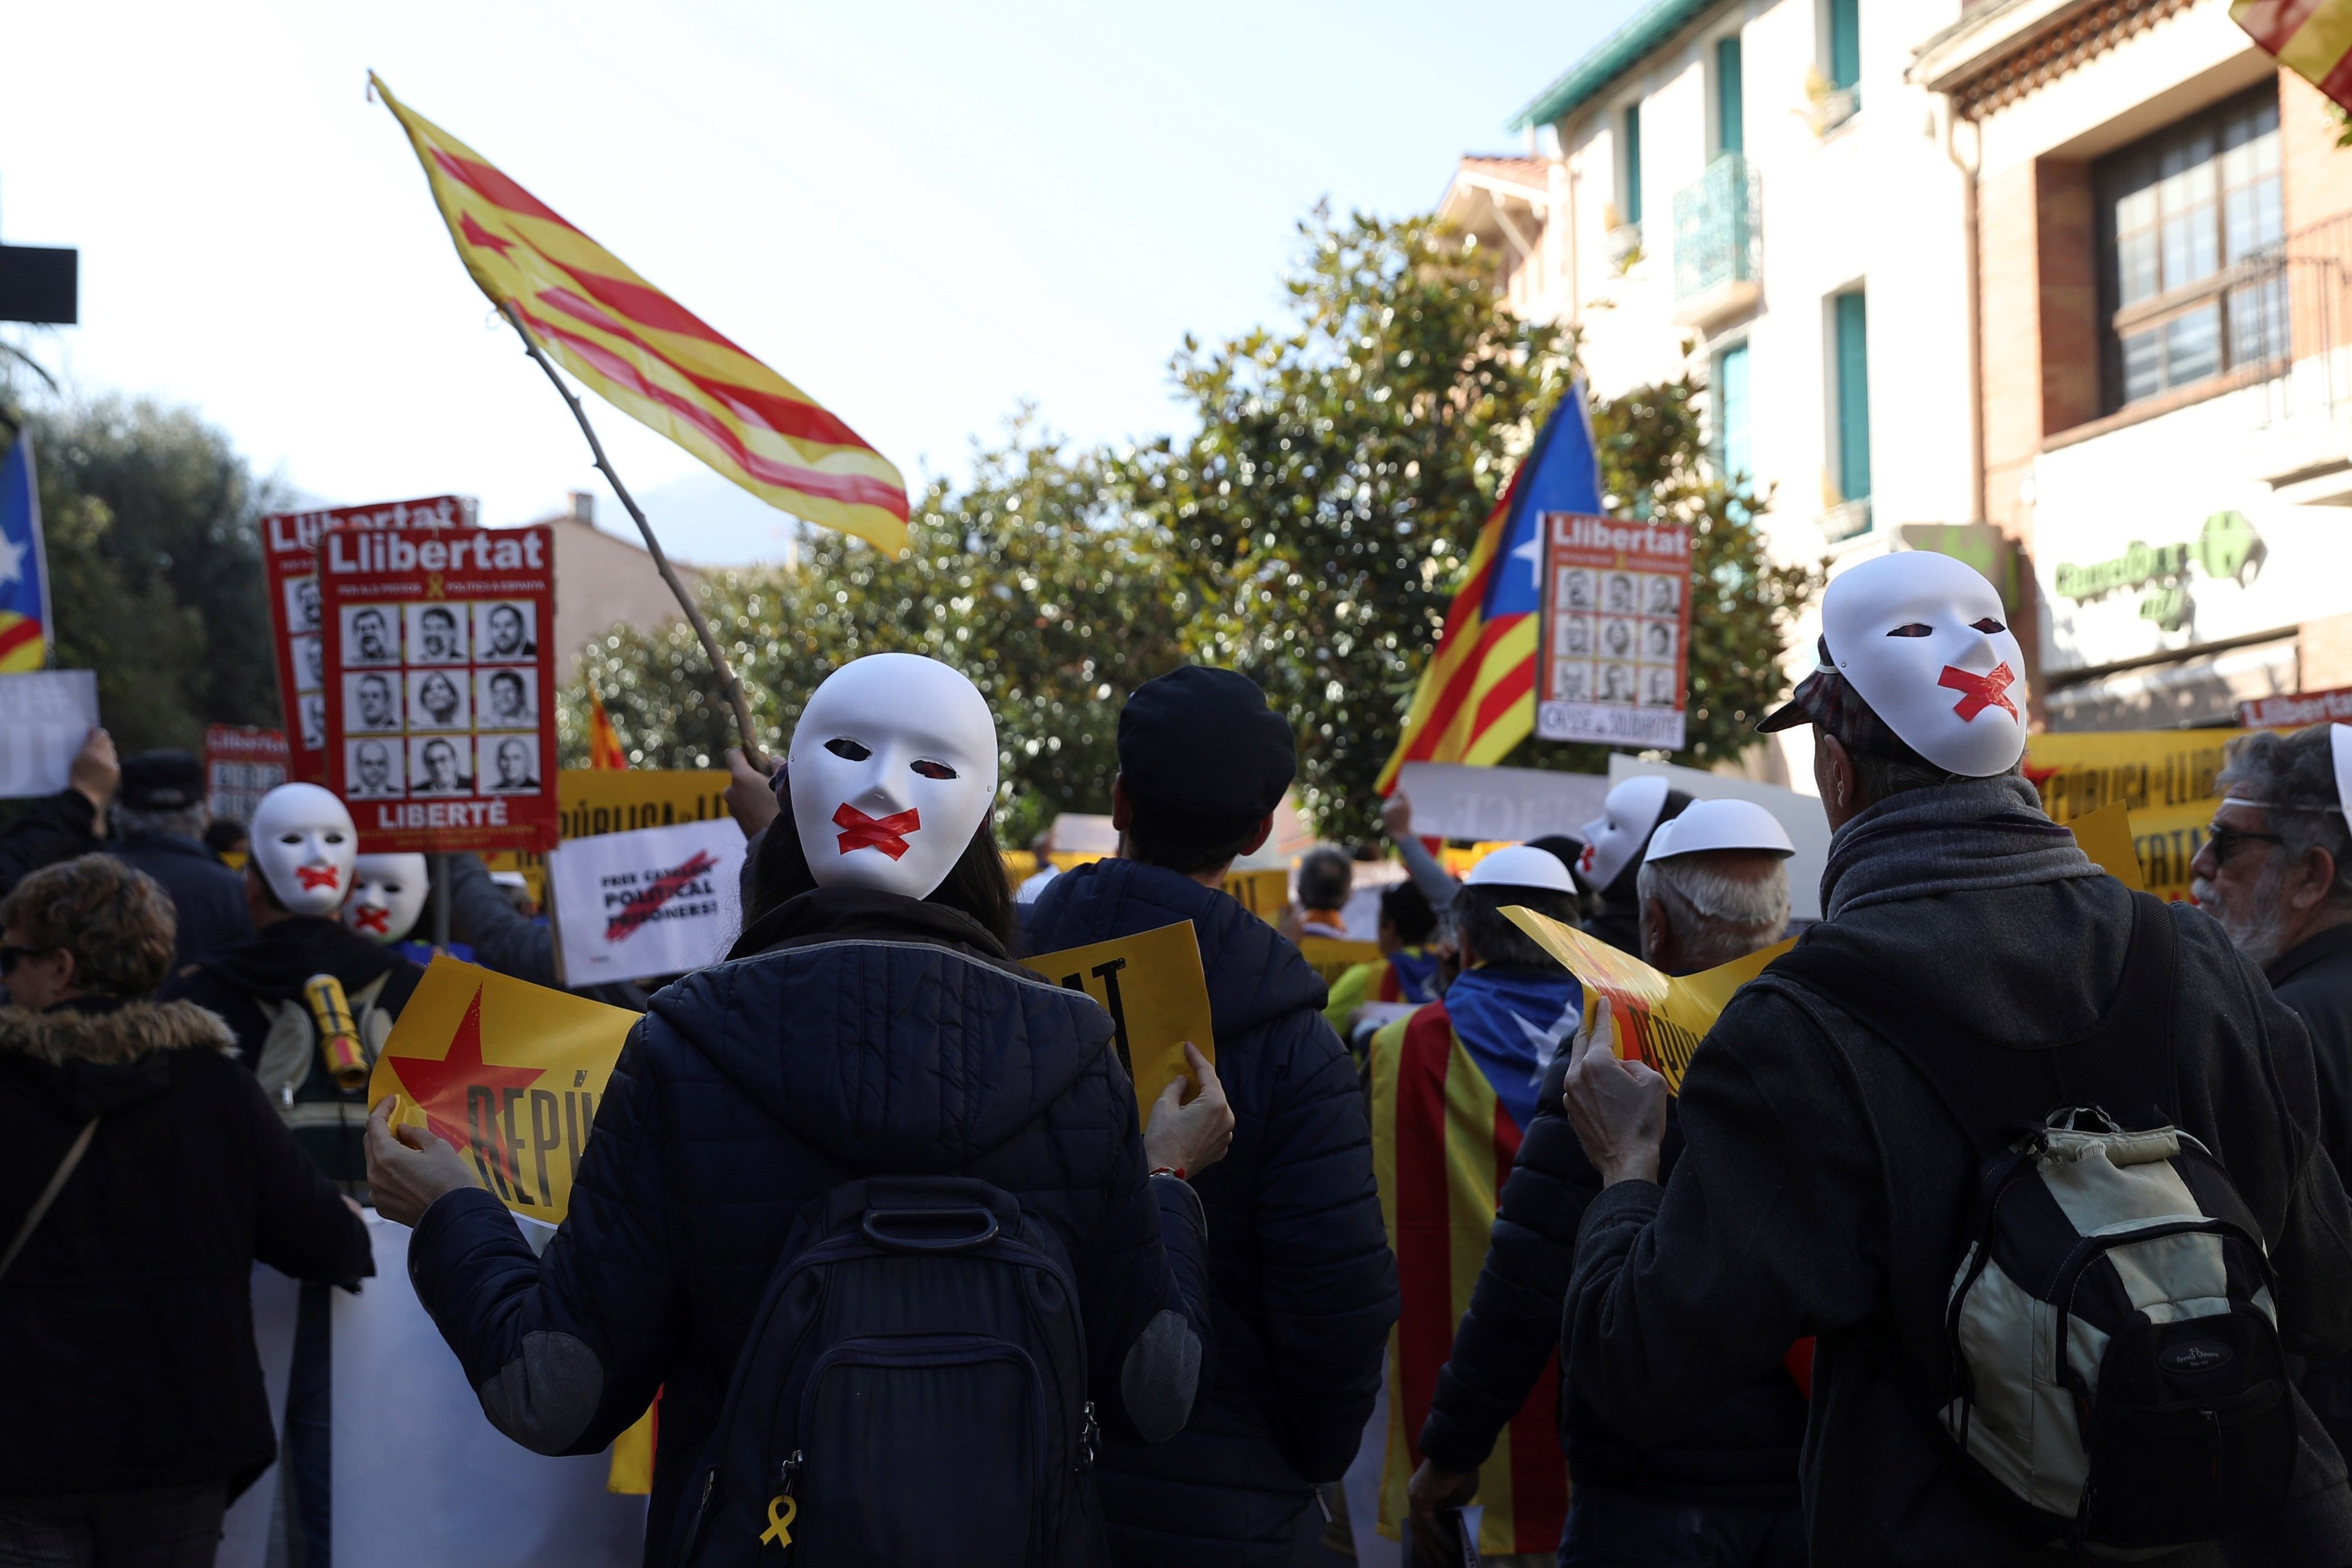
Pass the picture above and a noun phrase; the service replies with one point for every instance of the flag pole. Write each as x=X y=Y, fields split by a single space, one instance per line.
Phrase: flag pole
x=732 y=683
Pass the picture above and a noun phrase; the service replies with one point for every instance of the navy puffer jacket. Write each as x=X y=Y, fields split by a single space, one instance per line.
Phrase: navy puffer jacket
x=1301 y=1279
x=865 y=1033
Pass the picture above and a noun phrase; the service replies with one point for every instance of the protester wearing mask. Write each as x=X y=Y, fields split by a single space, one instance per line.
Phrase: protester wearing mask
x=1304 y=1284
x=1714 y=887
x=143 y=1176
x=1832 y=1152
x=160 y=821
x=867 y=1024
x=2277 y=872
x=1480 y=1054
x=1612 y=862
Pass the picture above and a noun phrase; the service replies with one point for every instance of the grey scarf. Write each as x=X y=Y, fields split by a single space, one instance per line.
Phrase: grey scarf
x=1973 y=836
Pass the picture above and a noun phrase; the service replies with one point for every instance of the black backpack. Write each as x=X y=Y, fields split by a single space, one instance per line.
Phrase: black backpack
x=912 y=1391
x=2117 y=1377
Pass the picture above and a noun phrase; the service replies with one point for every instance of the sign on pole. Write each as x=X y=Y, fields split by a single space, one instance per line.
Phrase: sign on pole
x=657 y=900
x=440 y=686
x=242 y=764
x=290 y=543
x=1615 y=665
x=44 y=717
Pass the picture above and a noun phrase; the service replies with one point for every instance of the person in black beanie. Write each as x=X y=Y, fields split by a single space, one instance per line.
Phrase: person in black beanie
x=1303 y=1284
x=161 y=820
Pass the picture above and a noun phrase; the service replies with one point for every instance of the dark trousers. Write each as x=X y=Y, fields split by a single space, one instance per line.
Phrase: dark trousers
x=1612 y=1529
x=308 y=1452
x=173 y=1527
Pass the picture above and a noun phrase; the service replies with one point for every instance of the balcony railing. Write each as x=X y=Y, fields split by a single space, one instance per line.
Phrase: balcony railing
x=1718 y=242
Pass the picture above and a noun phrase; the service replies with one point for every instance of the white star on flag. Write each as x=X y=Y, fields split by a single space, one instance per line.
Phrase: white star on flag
x=1548 y=1042
x=12 y=559
x=1532 y=554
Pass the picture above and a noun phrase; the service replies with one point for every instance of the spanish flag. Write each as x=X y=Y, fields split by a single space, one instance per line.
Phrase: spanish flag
x=648 y=355
x=1477 y=698
x=1443 y=1143
x=2312 y=38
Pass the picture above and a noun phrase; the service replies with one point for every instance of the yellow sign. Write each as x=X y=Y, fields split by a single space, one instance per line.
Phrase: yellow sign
x=595 y=801
x=1152 y=986
x=1660 y=1018
x=1331 y=956
x=522 y=1118
x=2167 y=840
x=1262 y=893
x=2106 y=836
x=2145 y=770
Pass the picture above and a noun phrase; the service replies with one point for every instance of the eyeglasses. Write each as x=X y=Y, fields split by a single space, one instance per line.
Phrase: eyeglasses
x=11 y=955
x=2225 y=840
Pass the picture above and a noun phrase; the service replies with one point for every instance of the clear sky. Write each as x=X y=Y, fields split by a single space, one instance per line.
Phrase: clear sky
x=922 y=214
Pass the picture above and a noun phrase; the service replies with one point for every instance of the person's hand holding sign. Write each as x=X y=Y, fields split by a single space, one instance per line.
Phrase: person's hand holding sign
x=1188 y=1136
x=1618 y=1108
x=408 y=1167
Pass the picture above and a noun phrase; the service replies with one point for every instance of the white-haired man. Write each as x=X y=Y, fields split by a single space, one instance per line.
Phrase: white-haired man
x=1714 y=887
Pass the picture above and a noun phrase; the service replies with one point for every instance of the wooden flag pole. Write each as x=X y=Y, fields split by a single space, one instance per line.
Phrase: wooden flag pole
x=725 y=671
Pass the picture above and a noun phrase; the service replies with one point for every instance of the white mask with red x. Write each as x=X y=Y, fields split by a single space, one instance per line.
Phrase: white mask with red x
x=387 y=895
x=1925 y=641
x=304 y=843
x=893 y=771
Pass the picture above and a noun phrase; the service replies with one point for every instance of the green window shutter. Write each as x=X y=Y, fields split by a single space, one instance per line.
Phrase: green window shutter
x=1729 y=134
x=1852 y=397
x=1733 y=453
x=1633 y=163
x=1845 y=42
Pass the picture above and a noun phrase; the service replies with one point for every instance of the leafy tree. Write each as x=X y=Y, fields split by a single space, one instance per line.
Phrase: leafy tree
x=1026 y=581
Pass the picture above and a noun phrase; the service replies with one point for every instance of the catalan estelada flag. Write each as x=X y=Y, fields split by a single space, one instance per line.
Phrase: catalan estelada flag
x=2312 y=38
x=1448 y=1115
x=1478 y=697
x=648 y=355
x=604 y=740
x=23 y=570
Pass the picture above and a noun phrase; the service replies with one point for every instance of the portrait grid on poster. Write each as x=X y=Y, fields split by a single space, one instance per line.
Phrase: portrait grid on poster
x=1616 y=630
x=440 y=700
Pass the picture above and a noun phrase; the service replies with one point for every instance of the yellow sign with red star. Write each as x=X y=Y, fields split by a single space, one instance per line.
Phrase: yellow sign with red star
x=508 y=1073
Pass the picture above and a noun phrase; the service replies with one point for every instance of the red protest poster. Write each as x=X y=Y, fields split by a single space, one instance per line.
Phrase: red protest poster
x=289 y=542
x=242 y=764
x=1615 y=666
x=440 y=686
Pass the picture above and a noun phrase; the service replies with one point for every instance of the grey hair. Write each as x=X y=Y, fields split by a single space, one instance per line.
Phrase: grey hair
x=2292 y=779
x=1717 y=917
x=188 y=822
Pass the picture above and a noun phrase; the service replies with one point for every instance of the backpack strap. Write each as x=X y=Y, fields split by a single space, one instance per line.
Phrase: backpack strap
x=1991 y=1088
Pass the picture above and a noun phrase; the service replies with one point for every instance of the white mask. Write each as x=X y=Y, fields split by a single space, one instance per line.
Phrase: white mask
x=387 y=895
x=1613 y=838
x=304 y=843
x=1923 y=638
x=893 y=771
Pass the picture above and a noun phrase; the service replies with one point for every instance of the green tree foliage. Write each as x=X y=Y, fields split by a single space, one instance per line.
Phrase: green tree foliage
x=1342 y=469
x=1026 y=581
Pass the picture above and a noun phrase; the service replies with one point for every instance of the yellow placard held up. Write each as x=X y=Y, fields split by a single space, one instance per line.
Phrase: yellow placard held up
x=593 y=801
x=1660 y=1018
x=2168 y=839
x=1262 y=893
x=2146 y=770
x=1331 y=956
x=508 y=1073
x=1157 y=995
x=2106 y=836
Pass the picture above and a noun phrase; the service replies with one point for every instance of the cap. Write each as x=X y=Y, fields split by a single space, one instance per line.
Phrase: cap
x=1202 y=757
x=1707 y=824
x=162 y=781
x=1521 y=866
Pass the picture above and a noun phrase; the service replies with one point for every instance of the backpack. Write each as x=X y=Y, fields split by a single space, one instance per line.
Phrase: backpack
x=2117 y=1379
x=912 y=1391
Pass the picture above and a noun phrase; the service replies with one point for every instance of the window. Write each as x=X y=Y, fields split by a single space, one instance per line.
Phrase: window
x=1845 y=44
x=1850 y=333
x=2191 y=222
x=1730 y=133
x=1733 y=453
x=1629 y=193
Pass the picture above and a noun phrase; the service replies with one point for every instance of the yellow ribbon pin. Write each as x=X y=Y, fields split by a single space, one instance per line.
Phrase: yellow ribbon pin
x=779 y=1528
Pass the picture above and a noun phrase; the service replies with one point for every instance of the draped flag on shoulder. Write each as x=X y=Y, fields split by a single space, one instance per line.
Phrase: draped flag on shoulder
x=2312 y=38
x=648 y=355
x=1478 y=697
x=23 y=570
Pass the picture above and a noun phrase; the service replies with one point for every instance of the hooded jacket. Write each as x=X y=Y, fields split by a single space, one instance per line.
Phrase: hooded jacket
x=207 y=898
x=128 y=1322
x=1824 y=1189
x=1303 y=1283
x=855 y=1033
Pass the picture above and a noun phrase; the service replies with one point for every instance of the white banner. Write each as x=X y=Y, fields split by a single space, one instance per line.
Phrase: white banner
x=1801 y=815
x=44 y=716
x=659 y=901
x=1455 y=800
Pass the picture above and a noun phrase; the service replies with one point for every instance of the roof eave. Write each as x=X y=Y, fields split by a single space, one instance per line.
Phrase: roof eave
x=1618 y=53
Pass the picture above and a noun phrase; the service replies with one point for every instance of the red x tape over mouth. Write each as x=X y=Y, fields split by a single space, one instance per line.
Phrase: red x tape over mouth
x=1978 y=692
x=373 y=917
x=318 y=877
x=888 y=833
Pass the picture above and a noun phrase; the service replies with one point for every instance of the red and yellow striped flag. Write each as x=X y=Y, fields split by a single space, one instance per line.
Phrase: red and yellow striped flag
x=2312 y=38
x=1441 y=1147
x=648 y=355
x=604 y=740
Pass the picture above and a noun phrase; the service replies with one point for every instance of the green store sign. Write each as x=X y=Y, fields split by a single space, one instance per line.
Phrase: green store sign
x=2227 y=550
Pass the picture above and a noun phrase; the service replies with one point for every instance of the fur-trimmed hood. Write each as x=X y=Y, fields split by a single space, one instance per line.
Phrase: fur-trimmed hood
x=115 y=1038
